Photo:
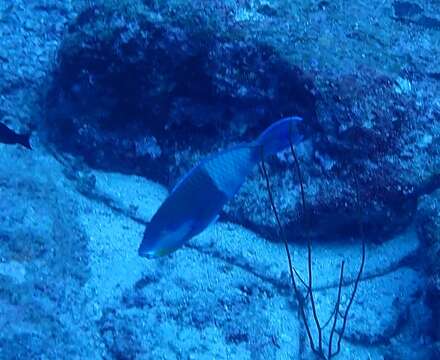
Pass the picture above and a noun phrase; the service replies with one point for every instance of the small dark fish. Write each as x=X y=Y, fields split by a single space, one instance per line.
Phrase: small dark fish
x=199 y=196
x=8 y=136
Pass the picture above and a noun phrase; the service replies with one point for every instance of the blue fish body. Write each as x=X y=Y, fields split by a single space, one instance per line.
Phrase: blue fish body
x=197 y=199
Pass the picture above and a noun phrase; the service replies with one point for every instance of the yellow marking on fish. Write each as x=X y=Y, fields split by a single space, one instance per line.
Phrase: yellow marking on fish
x=166 y=251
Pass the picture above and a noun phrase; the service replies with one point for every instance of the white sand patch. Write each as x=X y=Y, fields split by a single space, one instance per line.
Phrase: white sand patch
x=132 y=192
x=244 y=248
x=203 y=263
x=114 y=237
x=14 y=270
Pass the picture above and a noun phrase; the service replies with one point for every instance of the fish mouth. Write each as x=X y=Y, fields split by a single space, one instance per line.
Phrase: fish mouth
x=149 y=254
x=154 y=254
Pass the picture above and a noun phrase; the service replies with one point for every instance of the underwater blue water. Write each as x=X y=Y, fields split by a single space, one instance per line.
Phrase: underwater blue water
x=223 y=179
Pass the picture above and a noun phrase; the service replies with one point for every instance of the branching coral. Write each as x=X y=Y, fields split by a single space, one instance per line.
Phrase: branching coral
x=317 y=345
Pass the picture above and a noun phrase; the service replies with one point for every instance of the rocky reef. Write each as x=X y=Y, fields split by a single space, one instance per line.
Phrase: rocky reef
x=138 y=87
x=123 y=97
x=144 y=86
x=428 y=226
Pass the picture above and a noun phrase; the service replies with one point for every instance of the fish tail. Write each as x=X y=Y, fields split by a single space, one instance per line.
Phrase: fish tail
x=279 y=135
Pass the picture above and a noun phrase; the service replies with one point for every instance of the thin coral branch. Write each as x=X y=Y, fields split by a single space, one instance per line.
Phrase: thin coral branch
x=331 y=317
x=356 y=284
x=280 y=227
x=359 y=275
x=335 y=319
x=317 y=349
x=309 y=250
x=298 y=294
x=275 y=211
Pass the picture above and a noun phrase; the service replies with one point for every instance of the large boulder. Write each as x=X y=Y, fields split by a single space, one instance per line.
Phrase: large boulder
x=151 y=88
x=372 y=143
x=136 y=88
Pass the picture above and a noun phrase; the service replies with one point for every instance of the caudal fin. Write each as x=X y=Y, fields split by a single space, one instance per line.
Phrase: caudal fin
x=278 y=136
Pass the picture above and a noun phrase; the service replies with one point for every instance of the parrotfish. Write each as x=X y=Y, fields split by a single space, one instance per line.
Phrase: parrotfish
x=199 y=196
x=8 y=136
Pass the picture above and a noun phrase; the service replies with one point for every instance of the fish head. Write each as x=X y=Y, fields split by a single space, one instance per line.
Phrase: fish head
x=160 y=242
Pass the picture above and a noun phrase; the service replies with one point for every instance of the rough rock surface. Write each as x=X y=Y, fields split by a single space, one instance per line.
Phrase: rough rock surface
x=121 y=92
x=428 y=226
x=71 y=282
x=43 y=263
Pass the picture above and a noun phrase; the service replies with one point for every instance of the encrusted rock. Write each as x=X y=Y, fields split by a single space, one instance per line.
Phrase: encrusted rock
x=150 y=90
x=428 y=226
x=135 y=87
